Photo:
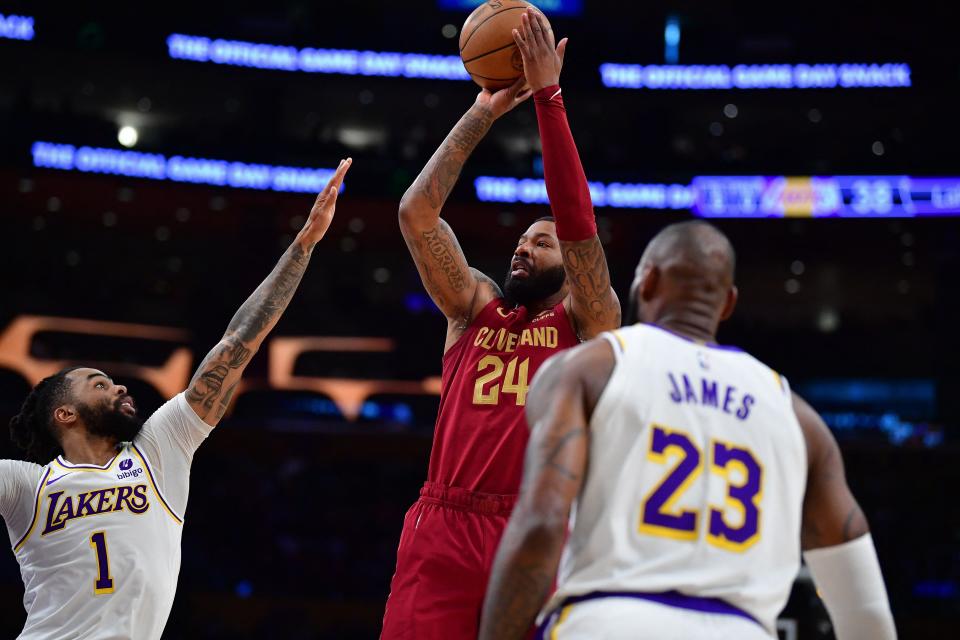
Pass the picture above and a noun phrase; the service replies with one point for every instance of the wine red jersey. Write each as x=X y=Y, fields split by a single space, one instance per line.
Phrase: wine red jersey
x=481 y=434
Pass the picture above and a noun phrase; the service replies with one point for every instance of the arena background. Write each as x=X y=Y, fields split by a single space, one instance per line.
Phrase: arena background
x=297 y=498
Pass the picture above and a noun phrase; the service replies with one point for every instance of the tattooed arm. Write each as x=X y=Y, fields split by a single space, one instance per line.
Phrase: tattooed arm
x=831 y=514
x=216 y=379
x=592 y=303
x=559 y=406
x=458 y=290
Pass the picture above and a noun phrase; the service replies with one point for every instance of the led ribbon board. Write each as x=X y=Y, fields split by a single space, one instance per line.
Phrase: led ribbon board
x=16 y=27
x=549 y=7
x=342 y=61
x=758 y=196
x=155 y=166
x=755 y=76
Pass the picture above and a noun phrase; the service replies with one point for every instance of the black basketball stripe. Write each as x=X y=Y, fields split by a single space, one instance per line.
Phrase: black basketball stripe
x=477 y=75
x=475 y=29
x=512 y=44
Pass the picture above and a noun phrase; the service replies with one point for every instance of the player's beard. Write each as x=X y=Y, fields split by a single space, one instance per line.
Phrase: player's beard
x=536 y=286
x=109 y=421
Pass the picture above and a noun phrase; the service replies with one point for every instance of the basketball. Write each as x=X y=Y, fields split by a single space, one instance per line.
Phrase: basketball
x=487 y=49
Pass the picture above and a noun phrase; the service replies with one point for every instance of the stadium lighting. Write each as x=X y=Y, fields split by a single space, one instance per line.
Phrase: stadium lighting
x=16 y=27
x=156 y=166
x=757 y=196
x=755 y=76
x=349 y=62
x=128 y=136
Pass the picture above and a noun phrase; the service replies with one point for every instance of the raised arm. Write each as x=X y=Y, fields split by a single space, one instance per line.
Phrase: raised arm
x=458 y=290
x=836 y=540
x=559 y=407
x=592 y=302
x=217 y=377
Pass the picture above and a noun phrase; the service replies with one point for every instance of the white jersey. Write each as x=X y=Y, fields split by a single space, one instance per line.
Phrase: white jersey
x=99 y=547
x=695 y=483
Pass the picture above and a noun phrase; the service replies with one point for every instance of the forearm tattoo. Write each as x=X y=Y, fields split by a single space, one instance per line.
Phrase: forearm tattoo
x=589 y=278
x=244 y=334
x=436 y=180
x=207 y=384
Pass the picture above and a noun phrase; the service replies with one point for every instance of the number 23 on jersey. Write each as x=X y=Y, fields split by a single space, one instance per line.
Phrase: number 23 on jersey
x=683 y=463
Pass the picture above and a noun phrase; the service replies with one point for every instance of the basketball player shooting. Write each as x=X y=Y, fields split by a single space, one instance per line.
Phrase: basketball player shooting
x=97 y=529
x=697 y=475
x=556 y=293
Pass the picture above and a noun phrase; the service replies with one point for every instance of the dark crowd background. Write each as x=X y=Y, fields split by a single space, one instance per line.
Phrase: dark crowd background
x=295 y=510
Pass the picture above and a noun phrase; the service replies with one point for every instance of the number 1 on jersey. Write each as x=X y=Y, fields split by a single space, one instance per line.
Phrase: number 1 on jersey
x=104 y=583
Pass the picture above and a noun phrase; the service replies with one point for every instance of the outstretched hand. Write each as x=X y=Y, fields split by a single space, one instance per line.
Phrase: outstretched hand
x=502 y=101
x=542 y=59
x=321 y=215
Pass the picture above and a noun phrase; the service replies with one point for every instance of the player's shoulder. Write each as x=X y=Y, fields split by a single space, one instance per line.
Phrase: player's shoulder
x=589 y=361
x=628 y=338
x=21 y=470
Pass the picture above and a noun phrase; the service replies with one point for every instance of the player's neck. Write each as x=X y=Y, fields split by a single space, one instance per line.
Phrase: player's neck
x=539 y=306
x=693 y=328
x=87 y=449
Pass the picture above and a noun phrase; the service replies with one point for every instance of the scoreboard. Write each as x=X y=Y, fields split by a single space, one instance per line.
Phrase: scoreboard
x=824 y=196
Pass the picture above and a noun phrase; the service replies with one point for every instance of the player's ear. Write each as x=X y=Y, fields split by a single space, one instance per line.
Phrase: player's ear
x=65 y=415
x=729 y=304
x=649 y=282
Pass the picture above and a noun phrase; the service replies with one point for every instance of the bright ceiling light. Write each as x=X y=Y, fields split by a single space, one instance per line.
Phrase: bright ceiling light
x=127 y=136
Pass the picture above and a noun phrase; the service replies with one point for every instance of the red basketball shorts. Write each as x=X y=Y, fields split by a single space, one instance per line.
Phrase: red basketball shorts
x=449 y=540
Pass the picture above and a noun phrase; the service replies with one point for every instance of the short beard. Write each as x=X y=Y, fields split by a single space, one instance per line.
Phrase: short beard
x=108 y=421
x=533 y=288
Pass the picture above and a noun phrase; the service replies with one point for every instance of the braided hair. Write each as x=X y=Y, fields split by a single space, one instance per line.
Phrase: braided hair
x=32 y=429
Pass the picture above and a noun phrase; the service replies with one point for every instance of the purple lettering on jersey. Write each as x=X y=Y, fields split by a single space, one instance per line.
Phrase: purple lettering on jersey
x=744 y=411
x=85 y=504
x=655 y=512
x=92 y=503
x=709 y=396
x=675 y=390
x=53 y=525
x=691 y=394
x=139 y=503
x=106 y=500
x=745 y=494
x=728 y=398
x=123 y=496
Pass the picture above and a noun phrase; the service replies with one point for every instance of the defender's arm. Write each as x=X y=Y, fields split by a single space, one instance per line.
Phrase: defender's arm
x=592 y=303
x=559 y=407
x=217 y=377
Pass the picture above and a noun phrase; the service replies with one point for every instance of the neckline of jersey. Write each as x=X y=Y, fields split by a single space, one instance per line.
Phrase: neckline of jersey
x=700 y=343
x=63 y=462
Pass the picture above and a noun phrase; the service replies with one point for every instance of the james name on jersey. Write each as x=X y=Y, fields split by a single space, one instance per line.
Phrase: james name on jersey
x=709 y=393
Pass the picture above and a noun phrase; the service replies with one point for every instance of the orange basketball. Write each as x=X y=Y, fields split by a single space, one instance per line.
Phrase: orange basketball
x=487 y=49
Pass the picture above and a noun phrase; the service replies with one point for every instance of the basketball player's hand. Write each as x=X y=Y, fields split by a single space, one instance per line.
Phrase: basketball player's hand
x=321 y=215
x=542 y=58
x=499 y=102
